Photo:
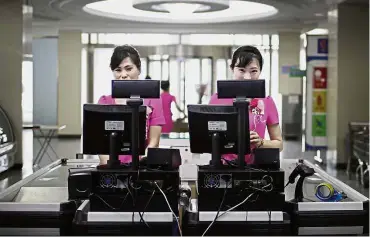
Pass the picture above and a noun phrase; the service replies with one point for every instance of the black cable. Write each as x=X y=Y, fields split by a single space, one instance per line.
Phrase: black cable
x=286 y=185
x=134 y=202
x=108 y=205
x=147 y=204
x=231 y=163
x=220 y=207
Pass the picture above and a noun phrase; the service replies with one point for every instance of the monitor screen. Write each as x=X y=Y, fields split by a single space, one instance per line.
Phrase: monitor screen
x=99 y=121
x=206 y=120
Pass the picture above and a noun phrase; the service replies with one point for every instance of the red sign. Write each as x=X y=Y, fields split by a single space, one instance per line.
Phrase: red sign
x=320 y=77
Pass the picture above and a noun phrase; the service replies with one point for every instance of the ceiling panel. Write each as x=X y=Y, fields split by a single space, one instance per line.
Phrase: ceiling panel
x=68 y=14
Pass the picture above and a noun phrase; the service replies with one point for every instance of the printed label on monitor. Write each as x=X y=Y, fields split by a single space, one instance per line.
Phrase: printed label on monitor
x=114 y=125
x=217 y=126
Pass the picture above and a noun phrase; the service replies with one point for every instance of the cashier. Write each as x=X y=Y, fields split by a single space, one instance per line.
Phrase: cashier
x=126 y=65
x=246 y=64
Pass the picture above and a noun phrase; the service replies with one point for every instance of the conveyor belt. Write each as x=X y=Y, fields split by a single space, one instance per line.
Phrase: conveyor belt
x=41 y=199
x=38 y=204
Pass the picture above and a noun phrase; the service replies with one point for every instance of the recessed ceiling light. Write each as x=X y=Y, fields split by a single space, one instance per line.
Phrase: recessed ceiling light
x=319 y=14
x=180 y=8
x=193 y=13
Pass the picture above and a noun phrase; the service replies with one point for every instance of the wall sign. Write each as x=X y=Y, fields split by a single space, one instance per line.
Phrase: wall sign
x=317 y=79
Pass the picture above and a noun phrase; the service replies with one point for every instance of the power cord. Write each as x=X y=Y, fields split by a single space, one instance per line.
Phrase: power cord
x=123 y=201
x=218 y=211
x=169 y=206
x=263 y=189
x=239 y=204
x=147 y=204
x=107 y=204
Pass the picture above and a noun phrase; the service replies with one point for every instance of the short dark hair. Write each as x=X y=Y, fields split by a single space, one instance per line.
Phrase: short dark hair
x=122 y=52
x=165 y=85
x=244 y=55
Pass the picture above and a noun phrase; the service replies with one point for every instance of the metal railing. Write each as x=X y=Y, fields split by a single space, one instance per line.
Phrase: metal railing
x=359 y=151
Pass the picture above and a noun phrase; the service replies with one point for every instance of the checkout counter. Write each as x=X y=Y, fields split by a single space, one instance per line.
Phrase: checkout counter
x=39 y=205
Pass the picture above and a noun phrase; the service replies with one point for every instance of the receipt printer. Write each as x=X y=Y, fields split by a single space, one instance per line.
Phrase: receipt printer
x=164 y=158
x=79 y=183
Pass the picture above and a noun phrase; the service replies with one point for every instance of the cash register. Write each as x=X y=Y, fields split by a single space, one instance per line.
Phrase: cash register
x=234 y=198
x=136 y=198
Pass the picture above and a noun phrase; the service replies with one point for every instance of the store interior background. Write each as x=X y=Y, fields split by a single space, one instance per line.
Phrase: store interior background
x=65 y=64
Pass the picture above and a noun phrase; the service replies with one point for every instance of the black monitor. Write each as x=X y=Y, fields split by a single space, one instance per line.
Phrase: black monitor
x=136 y=88
x=241 y=88
x=214 y=129
x=107 y=130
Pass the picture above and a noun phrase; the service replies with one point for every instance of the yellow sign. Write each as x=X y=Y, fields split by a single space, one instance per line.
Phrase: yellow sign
x=319 y=102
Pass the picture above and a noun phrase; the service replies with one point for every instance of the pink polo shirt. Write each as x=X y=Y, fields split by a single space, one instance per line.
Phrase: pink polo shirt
x=167 y=100
x=154 y=117
x=262 y=112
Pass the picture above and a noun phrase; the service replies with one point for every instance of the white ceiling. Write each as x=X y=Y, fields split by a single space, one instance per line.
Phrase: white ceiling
x=293 y=15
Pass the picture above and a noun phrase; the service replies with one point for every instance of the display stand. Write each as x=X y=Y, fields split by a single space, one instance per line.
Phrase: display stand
x=242 y=106
x=114 y=162
x=135 y=103
x=113 y=151
x=216 y=153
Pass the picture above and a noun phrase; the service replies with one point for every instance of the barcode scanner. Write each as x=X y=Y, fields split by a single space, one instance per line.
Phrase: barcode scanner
x=303 y=171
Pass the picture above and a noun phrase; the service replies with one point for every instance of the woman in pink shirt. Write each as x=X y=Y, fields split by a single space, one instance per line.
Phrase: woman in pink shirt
x=246 y=64
x=126 y=65
x=167 y=100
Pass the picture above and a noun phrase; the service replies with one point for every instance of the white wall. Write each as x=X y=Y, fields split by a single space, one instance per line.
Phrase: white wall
x=69 y=82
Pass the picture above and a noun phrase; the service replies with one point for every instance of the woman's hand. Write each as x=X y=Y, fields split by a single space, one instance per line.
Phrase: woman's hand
x=255 y=139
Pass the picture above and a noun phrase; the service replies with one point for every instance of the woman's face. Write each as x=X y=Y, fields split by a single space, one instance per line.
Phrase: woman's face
x=127 y=70
x=250 y=72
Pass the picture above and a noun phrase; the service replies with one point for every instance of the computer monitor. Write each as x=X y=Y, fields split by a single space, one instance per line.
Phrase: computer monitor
x=214 y=129
x=107 y=130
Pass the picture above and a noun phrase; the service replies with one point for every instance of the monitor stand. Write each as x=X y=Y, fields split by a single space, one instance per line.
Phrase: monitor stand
x=135 y=103
x=216 y=153
x=242 y=106
x=113 y=161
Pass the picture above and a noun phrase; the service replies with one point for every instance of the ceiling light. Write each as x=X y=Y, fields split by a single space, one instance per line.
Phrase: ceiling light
x=180 y=8
x=318 y=31
x=319 y=14
x=181 y=11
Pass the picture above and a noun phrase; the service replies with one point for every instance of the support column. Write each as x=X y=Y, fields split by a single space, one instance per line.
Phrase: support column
x=11 y=54
x=290 y=85
x=350 y=90
x=69 y=82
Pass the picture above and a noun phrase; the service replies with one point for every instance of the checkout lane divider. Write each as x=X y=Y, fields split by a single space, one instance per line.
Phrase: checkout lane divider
x=18 y=185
